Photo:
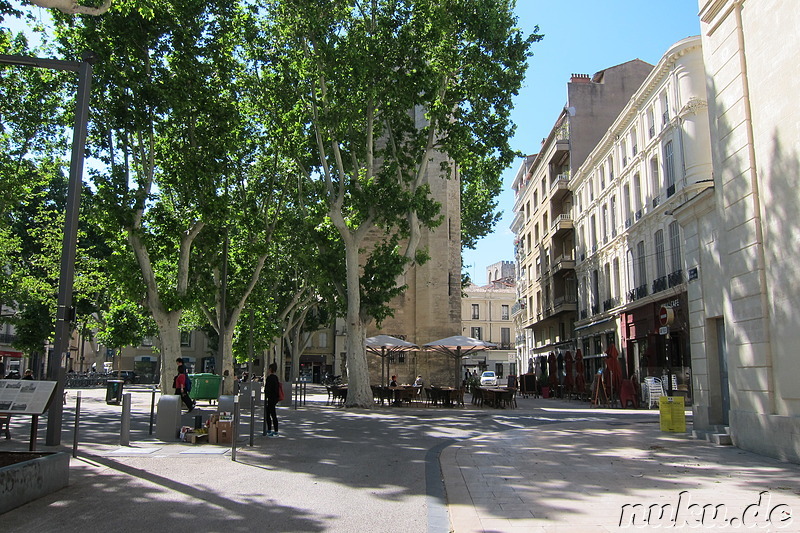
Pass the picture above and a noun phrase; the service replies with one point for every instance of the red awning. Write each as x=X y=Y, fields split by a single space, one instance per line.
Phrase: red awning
x=7 y=353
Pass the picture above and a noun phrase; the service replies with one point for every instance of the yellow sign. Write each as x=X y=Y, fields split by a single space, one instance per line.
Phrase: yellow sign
x=673 y=414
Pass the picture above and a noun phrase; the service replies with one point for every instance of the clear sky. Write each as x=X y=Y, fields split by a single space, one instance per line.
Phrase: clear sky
x=581 y=37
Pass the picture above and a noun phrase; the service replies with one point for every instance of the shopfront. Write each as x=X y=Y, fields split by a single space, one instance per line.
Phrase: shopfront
x=656 y=350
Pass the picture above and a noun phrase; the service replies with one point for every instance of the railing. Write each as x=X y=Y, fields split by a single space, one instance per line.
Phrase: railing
x=670 y=190
x=675 y=278
x=652 y=131
x=610 y=303
x=560 y=180
x=562 y=133
x=638 y=292
x=665 y=117
x=638 y=214
x=517 y=307
x=660 y=284
x=656 y=201
x=595 y=309
x=624 y=161
x=628 y=223
x=584 y=314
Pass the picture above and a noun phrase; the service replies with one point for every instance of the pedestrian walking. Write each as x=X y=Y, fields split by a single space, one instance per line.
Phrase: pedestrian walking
x=179 y=383
x=272 y=391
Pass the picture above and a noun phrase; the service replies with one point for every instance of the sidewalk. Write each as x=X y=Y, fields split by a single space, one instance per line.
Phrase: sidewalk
x=549 y=465
x=585 y=477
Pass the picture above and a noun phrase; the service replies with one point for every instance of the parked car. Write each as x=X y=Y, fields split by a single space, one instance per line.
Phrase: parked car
x=129 y=376
x=489 y=378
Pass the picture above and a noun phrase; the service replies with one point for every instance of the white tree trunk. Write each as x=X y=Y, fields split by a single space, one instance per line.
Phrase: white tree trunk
x=226 y=343
x=169 y=336
x=71 y=7
x=359 y=393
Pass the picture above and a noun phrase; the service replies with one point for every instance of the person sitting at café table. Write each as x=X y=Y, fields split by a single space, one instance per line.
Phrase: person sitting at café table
x=418 y=382
x=393 y=381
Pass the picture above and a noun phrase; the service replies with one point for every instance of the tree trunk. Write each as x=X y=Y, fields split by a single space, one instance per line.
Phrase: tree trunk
x=226 y=342
x=169 y=335
x=359 y=393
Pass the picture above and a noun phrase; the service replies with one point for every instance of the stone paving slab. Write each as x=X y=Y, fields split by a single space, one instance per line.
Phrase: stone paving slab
x=586 y=477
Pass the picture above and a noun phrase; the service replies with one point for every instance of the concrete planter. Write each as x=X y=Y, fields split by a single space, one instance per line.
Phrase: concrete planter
x=27 y=476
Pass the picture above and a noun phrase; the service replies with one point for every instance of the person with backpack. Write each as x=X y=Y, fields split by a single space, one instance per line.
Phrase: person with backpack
x=183 y=385
x=273 y=391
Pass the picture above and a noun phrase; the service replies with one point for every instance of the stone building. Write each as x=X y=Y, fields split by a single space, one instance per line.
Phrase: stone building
x=741 y=244
x=546 y=309
x=486 y=315
x=629 y=258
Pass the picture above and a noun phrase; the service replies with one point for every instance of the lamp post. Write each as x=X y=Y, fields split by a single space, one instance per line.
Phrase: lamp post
x=65 y=311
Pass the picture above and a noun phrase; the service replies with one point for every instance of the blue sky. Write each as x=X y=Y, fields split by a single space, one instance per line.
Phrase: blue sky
x=582 y=37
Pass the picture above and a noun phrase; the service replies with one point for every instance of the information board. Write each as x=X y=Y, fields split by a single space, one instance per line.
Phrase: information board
x=24 y=396
x=673 y=413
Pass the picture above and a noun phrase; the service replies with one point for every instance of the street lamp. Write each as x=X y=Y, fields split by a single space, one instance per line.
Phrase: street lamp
x=65 y=310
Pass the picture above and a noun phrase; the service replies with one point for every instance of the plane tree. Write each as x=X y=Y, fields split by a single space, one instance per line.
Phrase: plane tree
x=396 y=93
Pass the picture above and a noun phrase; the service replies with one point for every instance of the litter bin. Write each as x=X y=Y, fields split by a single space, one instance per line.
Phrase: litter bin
x=114 y=391
x=205 y=386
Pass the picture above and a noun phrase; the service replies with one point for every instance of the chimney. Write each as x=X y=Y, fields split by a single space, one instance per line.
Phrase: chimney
x=579 y=78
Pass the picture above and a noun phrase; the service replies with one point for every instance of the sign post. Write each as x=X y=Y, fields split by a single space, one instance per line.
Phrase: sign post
x=666 y=316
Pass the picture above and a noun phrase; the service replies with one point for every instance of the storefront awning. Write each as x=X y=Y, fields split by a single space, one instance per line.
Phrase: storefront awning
x=9 y=353
x=603 y=321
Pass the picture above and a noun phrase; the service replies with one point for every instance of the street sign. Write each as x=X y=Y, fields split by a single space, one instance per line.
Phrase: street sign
x=666 y=315
x=663 y=330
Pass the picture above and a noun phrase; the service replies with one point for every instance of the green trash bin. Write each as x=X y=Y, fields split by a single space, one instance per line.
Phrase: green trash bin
x=205 y=386
x=114 y=391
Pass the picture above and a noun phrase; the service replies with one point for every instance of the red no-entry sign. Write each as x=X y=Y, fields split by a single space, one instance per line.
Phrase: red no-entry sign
x=666 y=315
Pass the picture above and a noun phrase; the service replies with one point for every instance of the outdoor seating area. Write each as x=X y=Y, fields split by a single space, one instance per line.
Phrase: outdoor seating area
x=497 y=397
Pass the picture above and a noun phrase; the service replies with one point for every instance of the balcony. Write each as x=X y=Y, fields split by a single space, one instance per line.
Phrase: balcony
x=675 y=278
x=637 y=293
x=665 y=117
x=563 y=262
x=660 y=284
x=559 y=187
x=611 y=303
x=565 y=304
x=595 y=309
x=638 y=215
x=628 y=223
x=656 y=201
x=561 y=143
x=517 y=307
x=670 y=190
x=652 y=131
x=561 y=224
x=584 y=314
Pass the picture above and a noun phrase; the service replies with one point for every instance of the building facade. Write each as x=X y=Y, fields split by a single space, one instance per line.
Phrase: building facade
x=547 y=308
x=629 y=249
x=486 y=315
x=741 y=244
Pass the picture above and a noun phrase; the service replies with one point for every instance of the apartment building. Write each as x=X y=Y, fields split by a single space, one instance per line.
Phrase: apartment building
x=486 y=315
x=546 y=309
x=629 y=265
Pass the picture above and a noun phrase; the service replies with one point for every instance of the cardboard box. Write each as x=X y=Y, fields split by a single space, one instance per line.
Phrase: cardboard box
x=224 y=432
x=220 y=432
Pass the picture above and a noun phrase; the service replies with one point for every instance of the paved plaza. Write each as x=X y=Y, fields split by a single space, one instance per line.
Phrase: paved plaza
x=547 y=466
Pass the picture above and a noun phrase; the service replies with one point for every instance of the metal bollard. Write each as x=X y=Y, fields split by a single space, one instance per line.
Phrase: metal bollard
x=252 y=414
x=152 y=408
x=75 y=432
x=125 y=427
x=235 y=428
